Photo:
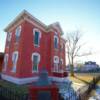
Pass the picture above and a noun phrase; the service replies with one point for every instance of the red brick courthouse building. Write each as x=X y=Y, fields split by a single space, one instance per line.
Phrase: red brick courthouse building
x=1 y=61
x=30 y=46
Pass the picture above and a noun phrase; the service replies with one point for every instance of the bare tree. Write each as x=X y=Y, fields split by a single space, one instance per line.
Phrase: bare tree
x=73 y=48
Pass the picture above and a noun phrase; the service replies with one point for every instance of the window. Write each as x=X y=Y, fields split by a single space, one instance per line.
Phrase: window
x=35 y=62
x=56 y=64
x=14 y=60
x=55 y=41
x=37 y=36
x=17 y=33
x=55 y=67
x=5 y=62
x=61 y=61
x=9 y=34
x=62 y=46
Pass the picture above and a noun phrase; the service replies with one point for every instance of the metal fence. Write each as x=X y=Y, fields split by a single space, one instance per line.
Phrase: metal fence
x=9 y=94
x=84 y=91
x=81 y=94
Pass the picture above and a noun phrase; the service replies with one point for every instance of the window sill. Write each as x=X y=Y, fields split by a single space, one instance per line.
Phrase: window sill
x=34 y=71
x=36 y=45
x=16 y=43
x=13 y=71
x=56 y=49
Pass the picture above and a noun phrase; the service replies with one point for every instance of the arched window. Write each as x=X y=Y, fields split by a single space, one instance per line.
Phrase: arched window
x=17 y=33
x=61 y=61
x=9 y=35
x=5 y=62
x=37 y=36
x=56 y=41
x=62 y=46
x=35 y=61
x=56 y=64
x=14 y=60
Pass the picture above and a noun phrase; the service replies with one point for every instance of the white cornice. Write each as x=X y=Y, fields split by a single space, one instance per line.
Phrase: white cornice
x=14 y=25
x=24 y=15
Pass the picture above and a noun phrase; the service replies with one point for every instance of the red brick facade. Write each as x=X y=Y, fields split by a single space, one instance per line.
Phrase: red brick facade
x=25 y=47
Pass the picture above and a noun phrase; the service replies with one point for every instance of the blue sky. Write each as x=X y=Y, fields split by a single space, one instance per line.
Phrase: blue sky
x=83 y=15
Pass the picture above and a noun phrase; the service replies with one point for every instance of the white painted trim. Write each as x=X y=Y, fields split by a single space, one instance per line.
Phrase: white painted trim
x=18 y=31
x=18 y=80
x=37 y=30
x=31 y=79
x=58 y=79
x=56 y=59
x=9 y=36
x=55 y=36
x=36 y=54
x=6 y=57
x=62 y=62
x=25 y=15
x=14 y=64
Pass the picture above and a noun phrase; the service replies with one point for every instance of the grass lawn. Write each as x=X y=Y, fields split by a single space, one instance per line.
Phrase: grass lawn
x=81 y=79
x=98 y=83
x=93 y=93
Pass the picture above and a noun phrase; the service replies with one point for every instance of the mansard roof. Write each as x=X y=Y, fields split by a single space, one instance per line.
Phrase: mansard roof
x=24 y=15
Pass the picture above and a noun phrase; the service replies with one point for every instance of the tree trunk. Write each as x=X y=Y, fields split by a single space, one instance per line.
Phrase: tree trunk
x=72 y=70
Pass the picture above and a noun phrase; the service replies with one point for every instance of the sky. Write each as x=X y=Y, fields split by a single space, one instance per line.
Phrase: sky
x=83 y=15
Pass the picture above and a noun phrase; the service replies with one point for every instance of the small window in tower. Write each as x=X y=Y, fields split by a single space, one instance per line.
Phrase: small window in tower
x=17 y=33
x=35 y=63
x=36 y=38
x=55 y=42
x=56 y=64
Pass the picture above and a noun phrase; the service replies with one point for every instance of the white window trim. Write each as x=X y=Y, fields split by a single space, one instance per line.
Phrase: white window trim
x=55 y=69
x=62 y=61
x=62 y=45
x=54 y=59
x=34 y=30
x=5 y=67
x=14 y=66
x=56 y=33
x=9 y=36
x=35 y=54
x=18 y=29
x=55 y=36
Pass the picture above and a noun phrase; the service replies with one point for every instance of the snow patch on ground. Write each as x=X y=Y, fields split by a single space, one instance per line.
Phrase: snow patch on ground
x=66 y=91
